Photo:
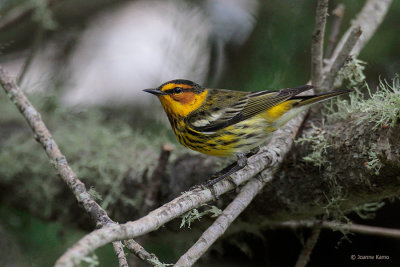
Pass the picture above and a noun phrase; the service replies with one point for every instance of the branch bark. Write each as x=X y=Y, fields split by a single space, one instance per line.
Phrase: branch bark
x=305 y=254
x=337 y=14
x=370 y=17
x=340 y=58
x=350 y=227
x=317 y=44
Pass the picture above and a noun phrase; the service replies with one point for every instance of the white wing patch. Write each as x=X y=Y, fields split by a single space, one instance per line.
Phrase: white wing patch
x=204 y=122
x=200 y=123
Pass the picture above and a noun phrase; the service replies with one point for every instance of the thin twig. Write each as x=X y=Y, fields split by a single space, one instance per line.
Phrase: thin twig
x=119 y=251
x=317 y=43
x=270 y=155
x=369 y=18
x=340 y=58
x=350 y=227
x=221 y=224
x=44 y=137
x=337 y=14
x=304 y=256
x=150 y=258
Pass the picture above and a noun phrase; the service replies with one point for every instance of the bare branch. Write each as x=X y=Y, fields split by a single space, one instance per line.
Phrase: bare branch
x=340 y=59
x=370 y=17
x=350 y=227
x=338 y=14
x=304 y=256
x=150 y=258
x=218 y=228
x=119 y=251
x=317 y=43
x=366 y=22
x=44 y=137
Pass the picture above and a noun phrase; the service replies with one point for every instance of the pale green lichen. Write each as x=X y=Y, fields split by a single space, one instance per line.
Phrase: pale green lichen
x=94 y=194
x=192 y=215
x=156 y=263
x=374 y=162
x=91 y=261
x=352 y=72
x=333 y=208
x=382 y=107
x=43 y=14
x=368 y=210
x=319 y=146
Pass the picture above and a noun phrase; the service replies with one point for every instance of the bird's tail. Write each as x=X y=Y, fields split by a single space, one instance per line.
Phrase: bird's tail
x=312 y=99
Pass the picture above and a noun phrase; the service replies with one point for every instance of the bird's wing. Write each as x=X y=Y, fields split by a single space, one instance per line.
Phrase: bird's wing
x=222 y=113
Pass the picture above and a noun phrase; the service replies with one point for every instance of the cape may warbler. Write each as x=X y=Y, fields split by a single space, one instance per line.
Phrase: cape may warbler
x=222 y=122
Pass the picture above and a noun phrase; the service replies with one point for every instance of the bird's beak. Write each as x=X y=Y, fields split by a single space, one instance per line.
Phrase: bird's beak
x=156 y=91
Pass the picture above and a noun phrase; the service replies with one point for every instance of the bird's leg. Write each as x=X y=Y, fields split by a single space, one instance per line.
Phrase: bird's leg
x=226 y=172
x=241 y=159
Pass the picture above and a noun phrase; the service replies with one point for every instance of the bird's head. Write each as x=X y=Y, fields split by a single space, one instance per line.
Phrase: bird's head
x=180 y=97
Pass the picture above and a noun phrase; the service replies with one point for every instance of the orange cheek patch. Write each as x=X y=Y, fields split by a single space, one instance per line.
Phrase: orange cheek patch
x=185 y=98
x=182 y=104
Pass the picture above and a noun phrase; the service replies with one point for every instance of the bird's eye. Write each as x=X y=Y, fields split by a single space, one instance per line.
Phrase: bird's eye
x=178 y=90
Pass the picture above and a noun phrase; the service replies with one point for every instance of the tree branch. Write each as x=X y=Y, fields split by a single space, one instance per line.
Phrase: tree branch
x=44 y=137
x=231 y=212
x=349 y=227
x=119 y=251
x=338 y=14
x=317 y=43
x=366 y=22
x=370 y=17
x=304 y=256
x=340 y=58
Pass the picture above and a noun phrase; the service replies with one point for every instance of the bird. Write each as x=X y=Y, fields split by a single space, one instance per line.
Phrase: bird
x=221 y=122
